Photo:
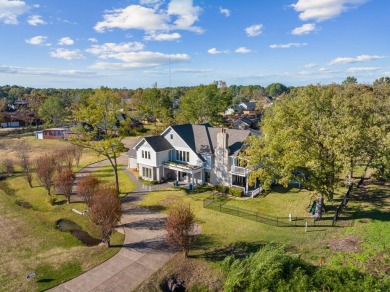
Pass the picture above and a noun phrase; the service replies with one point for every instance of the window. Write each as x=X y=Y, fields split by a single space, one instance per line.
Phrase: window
x=147 y=172
x=145 y=154
x=171 y=136
x=183 y=155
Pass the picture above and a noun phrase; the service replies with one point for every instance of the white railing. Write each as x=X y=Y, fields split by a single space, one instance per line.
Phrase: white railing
x=239 y=170
x=255 y=192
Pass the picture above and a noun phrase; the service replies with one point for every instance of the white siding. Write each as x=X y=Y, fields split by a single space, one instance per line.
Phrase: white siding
x=162 y=157
x=179 y=144
x=153 y=157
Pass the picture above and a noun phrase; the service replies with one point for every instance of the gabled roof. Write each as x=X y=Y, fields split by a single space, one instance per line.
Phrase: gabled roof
x=248 y=105
x=158 y=143
x=202 y=139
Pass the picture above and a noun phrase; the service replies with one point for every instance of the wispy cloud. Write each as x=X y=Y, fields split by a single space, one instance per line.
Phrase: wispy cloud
x=37 y=40
x=287 y=46
x=105 y=50
x=35 y=20
x=320 y=10
x=163 y=37
x=93 y=40
x=143 y=59
x=304 y=29
x=254 y=30
x=243 y=50
x=358 y=59
x=10 y=10
x=363 y=69
x=65 y=41
x=224 y=11
x=191 y=70
x=61 y=53
x=310 y=65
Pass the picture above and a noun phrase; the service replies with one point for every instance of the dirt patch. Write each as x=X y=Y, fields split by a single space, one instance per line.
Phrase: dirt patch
x=346 y=244
x=189 y=272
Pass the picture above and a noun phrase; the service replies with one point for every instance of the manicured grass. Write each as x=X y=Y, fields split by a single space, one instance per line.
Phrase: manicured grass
x=106 y=175
x=220 y=230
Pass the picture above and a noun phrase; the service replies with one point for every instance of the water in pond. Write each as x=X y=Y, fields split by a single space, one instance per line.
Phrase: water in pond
x=77 y=231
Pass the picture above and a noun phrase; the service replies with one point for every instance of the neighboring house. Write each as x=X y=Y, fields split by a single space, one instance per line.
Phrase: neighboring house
x=54 y=133
x=248 y=105
x=197 y=154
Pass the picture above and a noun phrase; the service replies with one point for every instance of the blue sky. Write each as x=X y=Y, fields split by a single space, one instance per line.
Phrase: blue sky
x=131 y=44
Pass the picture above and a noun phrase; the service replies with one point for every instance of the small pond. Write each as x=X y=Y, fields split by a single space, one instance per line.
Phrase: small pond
x=74 y=229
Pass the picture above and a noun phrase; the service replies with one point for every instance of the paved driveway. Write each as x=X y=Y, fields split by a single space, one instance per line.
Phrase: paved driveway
x=144 y=250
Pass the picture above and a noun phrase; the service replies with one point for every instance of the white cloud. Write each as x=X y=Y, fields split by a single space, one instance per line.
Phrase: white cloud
x=310 y=65
x=153 y=19
x=92 y=40
x=287 y=46
x=150 y=2
x=67 y=54
x=224 y=11
x=243 y=50
x=163 y=37
x=358 y=59
x=214 y=51
x=105 y=50
x=254 y=30
x=304 y=29
x=324 y=70
x=11 y=9
x=37 y=40
x=363 y=69
x=65 y=41
x=320 y=10
x=35 y=20
x=144 y=59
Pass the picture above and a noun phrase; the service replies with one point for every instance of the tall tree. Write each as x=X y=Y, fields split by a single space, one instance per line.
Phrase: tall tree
x=203 y=103
x=52 y=111
x=276 y=89
x=382 y=80
x=317 y=133
x=349 y=80
x=105 y=211
x=99 y=112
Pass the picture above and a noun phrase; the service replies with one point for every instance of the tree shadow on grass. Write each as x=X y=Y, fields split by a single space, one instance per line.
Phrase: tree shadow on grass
x=48 y=280
x=238 y=250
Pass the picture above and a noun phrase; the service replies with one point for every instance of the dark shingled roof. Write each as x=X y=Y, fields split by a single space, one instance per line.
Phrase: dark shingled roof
x=203 y=138
x=158 y=143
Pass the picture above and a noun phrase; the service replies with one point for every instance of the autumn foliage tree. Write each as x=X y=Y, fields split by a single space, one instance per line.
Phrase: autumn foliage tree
x=45 y=169
x=105 y=211
x=86 y=188
x=63 y=183
x=180 y=227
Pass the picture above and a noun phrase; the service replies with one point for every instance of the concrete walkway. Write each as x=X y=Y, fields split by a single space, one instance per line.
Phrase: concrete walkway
x=143 y=252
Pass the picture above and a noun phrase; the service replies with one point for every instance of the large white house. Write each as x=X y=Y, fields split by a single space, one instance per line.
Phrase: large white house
x=196 y=154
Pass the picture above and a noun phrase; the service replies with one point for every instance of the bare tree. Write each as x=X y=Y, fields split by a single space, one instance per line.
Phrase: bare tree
x=23 y=150
x=63 y=183
x=86 y=187
x=45 y=169
x=105 y=211
x=77 y=153
x=180 y=227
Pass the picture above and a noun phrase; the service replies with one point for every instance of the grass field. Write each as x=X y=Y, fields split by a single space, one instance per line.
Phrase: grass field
x=365 y=244
x=30 y=241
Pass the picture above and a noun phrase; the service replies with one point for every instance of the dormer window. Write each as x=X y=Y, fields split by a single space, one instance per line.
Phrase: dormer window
x=145 y=154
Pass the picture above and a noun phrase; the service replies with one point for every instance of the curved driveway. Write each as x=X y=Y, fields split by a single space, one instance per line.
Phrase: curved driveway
x=143 y=252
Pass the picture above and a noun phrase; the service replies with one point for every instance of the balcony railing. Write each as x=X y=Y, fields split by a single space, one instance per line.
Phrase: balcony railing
x=239 y=170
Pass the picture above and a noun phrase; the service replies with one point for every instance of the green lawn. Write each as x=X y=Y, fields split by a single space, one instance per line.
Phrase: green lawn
x=30 y=241
x=220 y=230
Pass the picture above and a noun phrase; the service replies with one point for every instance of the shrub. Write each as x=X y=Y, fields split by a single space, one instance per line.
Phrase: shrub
x=222 y=189
x=236 y=192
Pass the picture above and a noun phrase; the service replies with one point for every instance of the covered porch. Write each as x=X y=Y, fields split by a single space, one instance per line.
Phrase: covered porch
x=241 y=182
x=189 y=174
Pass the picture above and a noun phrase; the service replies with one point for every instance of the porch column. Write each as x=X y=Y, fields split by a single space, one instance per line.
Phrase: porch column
x=192 y=177
x=231 y=179
x=163 y=171
x=177 y=175
x=246 y=185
